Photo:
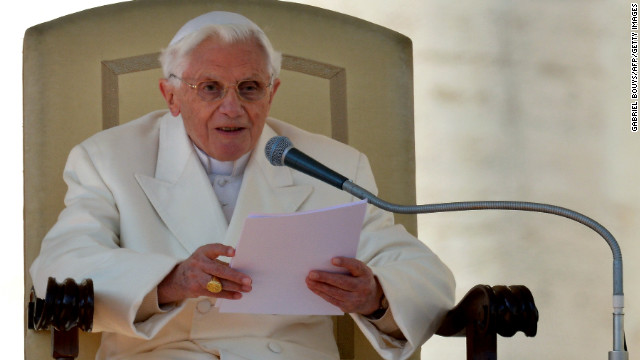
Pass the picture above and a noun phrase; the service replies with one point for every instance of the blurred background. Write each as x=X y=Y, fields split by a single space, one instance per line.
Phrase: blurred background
x=514 y=100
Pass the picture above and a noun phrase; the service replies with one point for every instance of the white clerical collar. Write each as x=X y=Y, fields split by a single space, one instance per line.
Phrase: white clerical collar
x=226 y=168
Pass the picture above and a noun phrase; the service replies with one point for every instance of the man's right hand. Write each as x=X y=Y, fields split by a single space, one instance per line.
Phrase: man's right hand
x=189 y=278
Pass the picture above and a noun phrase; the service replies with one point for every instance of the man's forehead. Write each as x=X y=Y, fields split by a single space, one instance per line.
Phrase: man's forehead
x=213 y=60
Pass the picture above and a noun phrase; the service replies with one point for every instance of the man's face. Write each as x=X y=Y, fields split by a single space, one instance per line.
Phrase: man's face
x=230 y=127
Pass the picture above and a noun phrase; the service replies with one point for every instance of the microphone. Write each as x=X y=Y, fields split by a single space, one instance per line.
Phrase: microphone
x=280 y=151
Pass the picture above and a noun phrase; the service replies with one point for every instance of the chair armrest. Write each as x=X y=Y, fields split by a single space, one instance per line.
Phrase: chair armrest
x=485 y=312
x=65 y=308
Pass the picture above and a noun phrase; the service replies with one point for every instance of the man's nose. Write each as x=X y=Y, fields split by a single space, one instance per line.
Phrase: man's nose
x=231 y=104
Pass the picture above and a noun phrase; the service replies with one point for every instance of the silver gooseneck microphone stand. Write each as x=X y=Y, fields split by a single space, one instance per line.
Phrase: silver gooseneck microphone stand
x=280 y=152
x=619 y=347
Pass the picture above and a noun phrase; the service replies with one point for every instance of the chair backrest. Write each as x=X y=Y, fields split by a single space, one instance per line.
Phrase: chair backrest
x=88 y=71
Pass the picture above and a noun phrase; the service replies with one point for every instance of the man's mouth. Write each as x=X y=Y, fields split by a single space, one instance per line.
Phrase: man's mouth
x=230 y=129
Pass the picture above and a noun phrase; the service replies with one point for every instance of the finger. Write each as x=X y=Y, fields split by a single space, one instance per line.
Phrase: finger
x=341 y=281
x=231 y=295
x=234 y=286
x=232 y=278
x=229 y=290
x=362 y=300
x=354 y=266
x=348 y=302
x=224 y=294
x=332 y=300
x=328 y=289
x=213 y=251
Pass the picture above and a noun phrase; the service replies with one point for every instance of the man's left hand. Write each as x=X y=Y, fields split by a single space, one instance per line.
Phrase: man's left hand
x=356 y=292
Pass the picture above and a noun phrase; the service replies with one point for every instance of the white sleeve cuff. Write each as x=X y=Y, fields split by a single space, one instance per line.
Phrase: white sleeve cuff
x=387 y=325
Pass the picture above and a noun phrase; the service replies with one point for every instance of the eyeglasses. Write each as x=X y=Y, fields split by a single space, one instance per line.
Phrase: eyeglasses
x=211 y=90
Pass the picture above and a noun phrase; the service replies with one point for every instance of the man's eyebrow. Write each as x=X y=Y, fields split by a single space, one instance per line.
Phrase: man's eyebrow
x=253 y=77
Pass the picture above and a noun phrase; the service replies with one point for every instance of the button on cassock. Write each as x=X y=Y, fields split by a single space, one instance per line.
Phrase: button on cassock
x=274 y=347
x=221 y=181
x=203 y=306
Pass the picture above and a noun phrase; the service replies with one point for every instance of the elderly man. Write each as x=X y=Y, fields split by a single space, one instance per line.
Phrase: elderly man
x=155 y=206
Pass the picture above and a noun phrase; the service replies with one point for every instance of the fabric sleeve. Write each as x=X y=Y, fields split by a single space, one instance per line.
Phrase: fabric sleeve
x=85 y=243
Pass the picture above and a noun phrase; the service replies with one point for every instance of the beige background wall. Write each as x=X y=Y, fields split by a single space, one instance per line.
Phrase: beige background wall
x=526 y=100
x=516 y=100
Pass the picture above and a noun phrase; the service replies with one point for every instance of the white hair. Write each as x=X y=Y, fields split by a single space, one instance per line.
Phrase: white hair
x=175 y=57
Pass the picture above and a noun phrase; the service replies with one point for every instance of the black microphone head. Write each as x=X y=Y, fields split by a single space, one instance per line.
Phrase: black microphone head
x=275 y=149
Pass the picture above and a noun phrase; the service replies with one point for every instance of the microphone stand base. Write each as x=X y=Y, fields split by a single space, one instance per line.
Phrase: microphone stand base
x=618 y=355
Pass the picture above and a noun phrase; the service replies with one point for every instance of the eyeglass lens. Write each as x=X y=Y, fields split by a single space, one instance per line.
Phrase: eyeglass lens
x=249 y=90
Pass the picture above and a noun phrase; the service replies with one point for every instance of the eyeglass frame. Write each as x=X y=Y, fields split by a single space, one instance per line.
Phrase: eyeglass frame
x=225 y=87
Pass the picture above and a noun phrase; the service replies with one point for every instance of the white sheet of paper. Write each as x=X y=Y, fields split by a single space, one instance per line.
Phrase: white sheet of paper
x=278 y=251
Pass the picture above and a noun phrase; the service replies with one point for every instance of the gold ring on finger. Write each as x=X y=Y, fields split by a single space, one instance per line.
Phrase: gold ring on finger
x=214 y=285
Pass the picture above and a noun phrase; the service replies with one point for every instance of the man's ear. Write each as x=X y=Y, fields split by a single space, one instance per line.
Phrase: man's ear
x=274 y=88
x=168 y=92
